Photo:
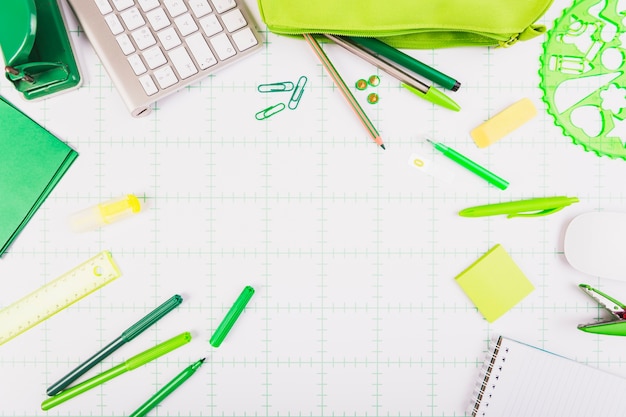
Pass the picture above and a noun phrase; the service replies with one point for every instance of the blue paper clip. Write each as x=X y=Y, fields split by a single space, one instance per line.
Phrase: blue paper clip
x=275 y=87
x=270 y=111
x=297 y=93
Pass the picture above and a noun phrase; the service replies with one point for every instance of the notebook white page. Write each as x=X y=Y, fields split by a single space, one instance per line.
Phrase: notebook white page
x=519 y=380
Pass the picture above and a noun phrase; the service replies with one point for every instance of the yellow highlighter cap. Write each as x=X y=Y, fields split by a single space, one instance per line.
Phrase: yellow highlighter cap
x=105 y=213
x=504 y=123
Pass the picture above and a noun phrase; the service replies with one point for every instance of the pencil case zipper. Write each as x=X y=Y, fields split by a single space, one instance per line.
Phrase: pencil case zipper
x=421 y=38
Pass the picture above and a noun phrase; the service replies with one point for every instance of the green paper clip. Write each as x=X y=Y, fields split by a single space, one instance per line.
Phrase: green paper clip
x=270 y=111
x=275 y=87
x=297 y=93
x=231 y=317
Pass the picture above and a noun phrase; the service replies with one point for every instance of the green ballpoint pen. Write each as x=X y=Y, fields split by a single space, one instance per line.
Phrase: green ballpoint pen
x=408 y=81
x=167 y=389
x=524 y=208
x=132 y=363
x=126 y=336
x=407 y=61
x=472 y=166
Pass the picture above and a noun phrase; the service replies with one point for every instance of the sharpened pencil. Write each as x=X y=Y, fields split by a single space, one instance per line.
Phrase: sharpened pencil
x=345 y=91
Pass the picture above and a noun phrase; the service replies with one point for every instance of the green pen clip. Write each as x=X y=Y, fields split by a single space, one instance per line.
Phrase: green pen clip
x=534 y=207
x=615 y=326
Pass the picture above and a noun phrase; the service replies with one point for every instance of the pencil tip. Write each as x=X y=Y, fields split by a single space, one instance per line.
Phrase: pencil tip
x=428 y=140
x=382 y=146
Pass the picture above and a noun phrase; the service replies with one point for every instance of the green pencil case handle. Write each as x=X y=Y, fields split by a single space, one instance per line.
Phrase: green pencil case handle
x=411 y=24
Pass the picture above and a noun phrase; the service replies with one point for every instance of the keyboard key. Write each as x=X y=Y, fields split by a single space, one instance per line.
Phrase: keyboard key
x=200 y=7
x=233 y=20
x=175 y=7
x=132 y=18
x=201 y=51
x=223 y=48
x=244 y=39
x=124 y=41
x=123 y=4
x=185 y=24
x=211 y=25
x=183 y=63
x=165 y=77
x=104 y=6
x=168 y=38
x=143 y=38
x=158 y=19
x=223 y=5
x=114 y=24
x=154 y=57
x=147 y=5
x=148 y=85
x=137 y=64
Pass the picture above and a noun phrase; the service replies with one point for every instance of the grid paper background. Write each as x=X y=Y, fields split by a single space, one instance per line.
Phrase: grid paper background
x=352 y=252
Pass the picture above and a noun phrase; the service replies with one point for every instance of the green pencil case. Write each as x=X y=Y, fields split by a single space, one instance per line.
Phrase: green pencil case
x=412 y=24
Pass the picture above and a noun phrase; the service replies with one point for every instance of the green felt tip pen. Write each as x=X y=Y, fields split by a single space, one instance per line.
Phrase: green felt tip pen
x=167 y=389
x=132 y=363
x=470 y=165
x=231 y=317
x=407 y=61
x=126 y=336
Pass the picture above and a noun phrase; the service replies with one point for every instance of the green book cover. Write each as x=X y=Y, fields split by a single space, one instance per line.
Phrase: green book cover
x=32 y=161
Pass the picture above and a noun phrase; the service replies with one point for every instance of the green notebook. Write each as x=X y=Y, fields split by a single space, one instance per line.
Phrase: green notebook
x=32 y=161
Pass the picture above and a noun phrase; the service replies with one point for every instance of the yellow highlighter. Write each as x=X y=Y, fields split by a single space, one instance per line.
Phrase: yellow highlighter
x=105 y=213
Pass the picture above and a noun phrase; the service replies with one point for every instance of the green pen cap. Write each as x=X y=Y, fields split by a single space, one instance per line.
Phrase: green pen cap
x=231 y=317
x=435 y=96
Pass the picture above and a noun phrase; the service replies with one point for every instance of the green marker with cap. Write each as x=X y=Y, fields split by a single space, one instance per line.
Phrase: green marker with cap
x=126 y=336
x=128 y=365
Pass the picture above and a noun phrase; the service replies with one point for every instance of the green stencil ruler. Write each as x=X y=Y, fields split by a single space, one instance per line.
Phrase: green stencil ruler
x=583 y=74
x=57 y=295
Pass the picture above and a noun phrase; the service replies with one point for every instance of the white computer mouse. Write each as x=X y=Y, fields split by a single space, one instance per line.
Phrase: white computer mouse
x=595 y=243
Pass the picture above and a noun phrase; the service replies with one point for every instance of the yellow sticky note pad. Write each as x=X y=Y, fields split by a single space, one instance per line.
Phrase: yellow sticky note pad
x=494 y=283
x=504 y=123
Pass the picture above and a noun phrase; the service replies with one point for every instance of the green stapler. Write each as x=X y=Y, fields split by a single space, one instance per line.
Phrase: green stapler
x=36 y=47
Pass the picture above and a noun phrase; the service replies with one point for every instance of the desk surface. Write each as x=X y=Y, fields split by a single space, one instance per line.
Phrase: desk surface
x=352 y=252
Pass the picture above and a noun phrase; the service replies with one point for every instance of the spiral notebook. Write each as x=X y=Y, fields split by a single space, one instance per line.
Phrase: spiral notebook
x=519 y=380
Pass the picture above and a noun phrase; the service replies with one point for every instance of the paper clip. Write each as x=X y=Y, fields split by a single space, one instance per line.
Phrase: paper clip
x=297 y=93
x=275 y=87
x=270 y=111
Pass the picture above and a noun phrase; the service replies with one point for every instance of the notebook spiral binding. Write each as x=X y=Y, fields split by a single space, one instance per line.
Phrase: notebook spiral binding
x=483 y=380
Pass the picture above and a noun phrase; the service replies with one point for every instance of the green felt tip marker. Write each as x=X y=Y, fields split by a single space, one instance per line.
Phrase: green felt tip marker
x=167 y=389
x=132 y=363
x=470 y=165
x=126 y=336
x=231 y=317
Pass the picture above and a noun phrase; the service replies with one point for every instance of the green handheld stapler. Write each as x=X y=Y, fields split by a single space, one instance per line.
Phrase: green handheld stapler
x=616 y=325
x=37 y=50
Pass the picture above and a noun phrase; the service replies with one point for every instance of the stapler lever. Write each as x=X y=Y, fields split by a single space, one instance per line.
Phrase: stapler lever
x=616 y=325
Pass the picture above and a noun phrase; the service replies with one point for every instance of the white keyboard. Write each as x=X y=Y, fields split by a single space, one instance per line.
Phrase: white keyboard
x=152 y=48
